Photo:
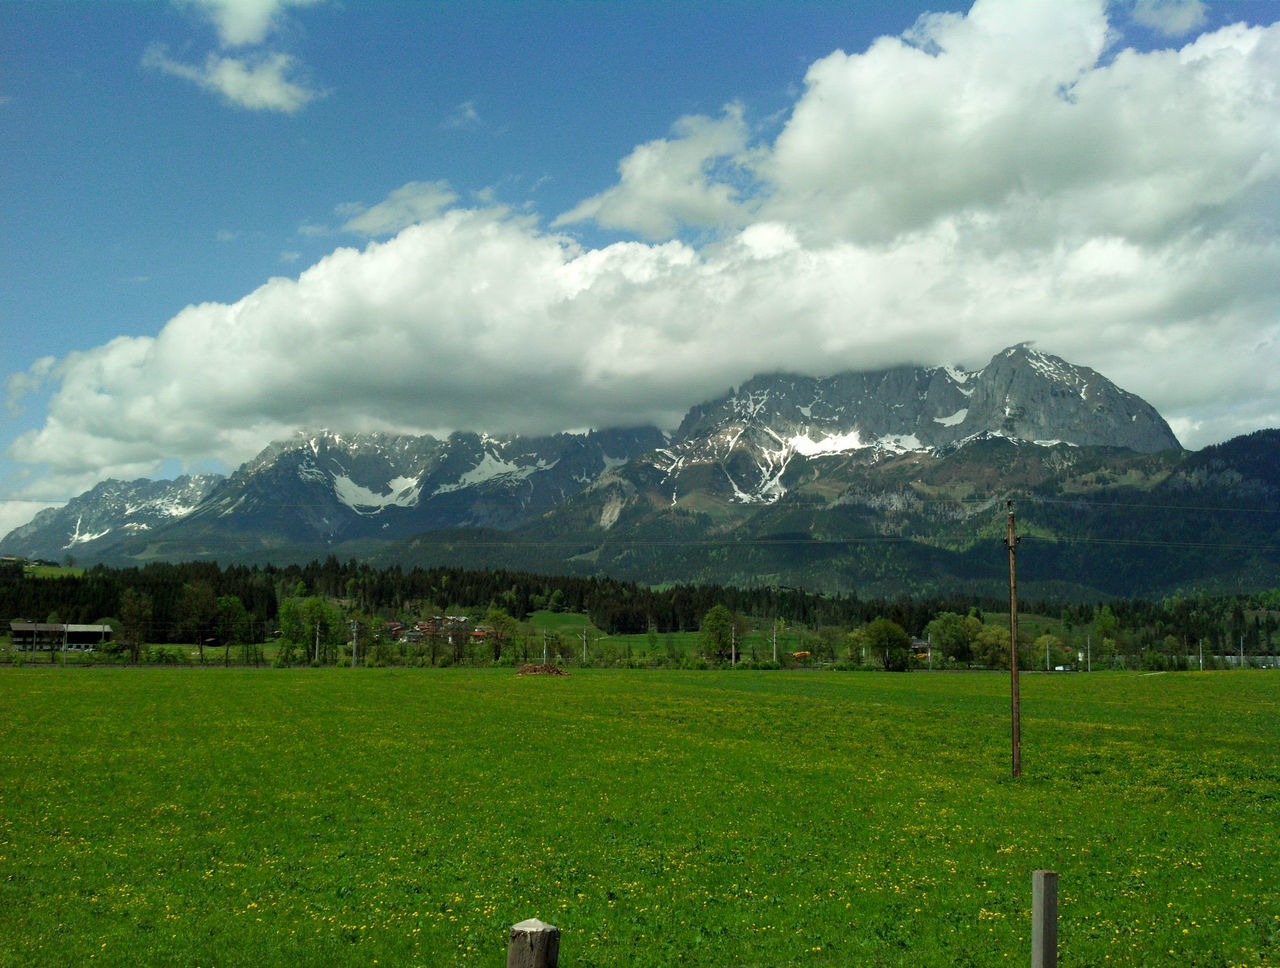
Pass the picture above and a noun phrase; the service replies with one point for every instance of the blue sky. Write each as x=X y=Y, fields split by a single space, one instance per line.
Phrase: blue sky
x=138 y=194
x=225 y=220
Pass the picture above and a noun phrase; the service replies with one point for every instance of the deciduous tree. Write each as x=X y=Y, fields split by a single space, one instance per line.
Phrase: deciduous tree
x=716 y=638
x=135 y=620
x=889 y=643
x=953 y=634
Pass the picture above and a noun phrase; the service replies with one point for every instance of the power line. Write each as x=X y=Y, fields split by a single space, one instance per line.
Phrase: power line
x=1152 y=543
x=915 y=499
x=462 y=545
x=1126 y=505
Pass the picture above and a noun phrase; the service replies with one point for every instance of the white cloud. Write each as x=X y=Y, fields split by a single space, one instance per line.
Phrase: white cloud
x=1010 y=113
x=998 y=178
x=245 y=22
x=464 y=115
x=408 y=204
x=14 y=514
x=669 y=182
x=1173 y=18
x=259 y=82
x=259 y=79
x=22 y=384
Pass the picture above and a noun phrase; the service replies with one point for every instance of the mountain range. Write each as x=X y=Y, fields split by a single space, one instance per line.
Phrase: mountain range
x=884 y=481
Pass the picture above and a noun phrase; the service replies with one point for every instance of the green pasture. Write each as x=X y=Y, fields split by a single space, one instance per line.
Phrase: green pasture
x=570 y=623
x=407 y=817
x=52 y=571
x=606 y=649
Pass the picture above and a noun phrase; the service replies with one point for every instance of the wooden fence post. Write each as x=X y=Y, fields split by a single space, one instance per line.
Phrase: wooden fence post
x=1044 y=919
x=533 y=945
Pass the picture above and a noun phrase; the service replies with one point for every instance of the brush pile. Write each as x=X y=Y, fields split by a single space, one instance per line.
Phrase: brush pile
x=546 y=669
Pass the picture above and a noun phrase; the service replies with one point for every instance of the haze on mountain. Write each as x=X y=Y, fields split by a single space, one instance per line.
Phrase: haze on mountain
x=448 y=234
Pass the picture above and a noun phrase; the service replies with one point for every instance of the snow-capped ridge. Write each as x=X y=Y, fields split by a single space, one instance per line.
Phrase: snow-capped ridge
x=752 y=445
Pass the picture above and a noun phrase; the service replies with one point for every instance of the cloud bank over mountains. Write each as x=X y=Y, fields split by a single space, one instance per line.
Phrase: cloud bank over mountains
x=1010 y=174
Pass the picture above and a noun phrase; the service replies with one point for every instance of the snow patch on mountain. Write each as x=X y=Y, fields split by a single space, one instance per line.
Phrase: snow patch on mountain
x=491 y=468
x=170 y=508
x=831 y=444
x=901 y=443
x=1057 y=371
x=84 y=537
x=953 y=420
x=400 y=492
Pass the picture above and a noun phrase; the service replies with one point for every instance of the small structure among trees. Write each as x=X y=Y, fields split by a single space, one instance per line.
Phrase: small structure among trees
x=55 y=636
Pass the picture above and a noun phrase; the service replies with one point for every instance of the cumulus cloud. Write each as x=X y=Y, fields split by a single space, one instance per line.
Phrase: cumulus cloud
x=669 y=182
x=987 y=179
x=1009 y=115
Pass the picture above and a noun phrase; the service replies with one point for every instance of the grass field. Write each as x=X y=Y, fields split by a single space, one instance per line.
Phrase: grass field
x=210 y=817
x=52 y=571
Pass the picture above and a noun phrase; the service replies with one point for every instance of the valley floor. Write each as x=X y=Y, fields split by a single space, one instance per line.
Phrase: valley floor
x=408 y=817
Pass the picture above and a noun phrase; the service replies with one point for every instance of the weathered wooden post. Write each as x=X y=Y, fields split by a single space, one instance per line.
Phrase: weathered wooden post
x=533 y=945
x=1044 y=919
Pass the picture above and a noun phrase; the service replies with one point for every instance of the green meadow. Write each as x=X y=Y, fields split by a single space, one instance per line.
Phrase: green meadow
x=408 y=817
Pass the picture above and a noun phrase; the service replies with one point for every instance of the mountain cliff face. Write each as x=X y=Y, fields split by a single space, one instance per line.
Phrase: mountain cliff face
x=1095 y=523
x=109 y=513
x=1028 y=395
x=317 y=491
x=850 y=454
x=742 y=445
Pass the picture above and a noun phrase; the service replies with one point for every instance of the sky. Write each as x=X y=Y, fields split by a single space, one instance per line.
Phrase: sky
x=226 y=221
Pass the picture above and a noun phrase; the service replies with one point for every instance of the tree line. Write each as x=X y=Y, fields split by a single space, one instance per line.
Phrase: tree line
x=315 y=605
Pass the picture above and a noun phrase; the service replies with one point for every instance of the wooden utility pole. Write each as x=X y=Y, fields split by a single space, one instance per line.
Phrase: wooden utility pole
x=1012 y=543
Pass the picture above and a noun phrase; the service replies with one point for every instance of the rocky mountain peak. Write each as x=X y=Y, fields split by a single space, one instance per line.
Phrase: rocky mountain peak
x=1032 y=396
x=754 y=432
x=109 y=511
x=745 y=447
